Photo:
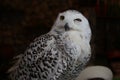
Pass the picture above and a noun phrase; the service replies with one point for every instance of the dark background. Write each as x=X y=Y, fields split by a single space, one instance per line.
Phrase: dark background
x=23 y=20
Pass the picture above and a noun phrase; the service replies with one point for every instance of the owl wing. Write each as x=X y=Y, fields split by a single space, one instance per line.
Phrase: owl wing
x=42 y=60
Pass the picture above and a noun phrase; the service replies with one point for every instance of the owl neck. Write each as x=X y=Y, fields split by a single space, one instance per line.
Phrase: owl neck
x=73 y=34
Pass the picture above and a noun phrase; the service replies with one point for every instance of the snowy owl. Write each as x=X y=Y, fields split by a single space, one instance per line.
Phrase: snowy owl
x=60 y=54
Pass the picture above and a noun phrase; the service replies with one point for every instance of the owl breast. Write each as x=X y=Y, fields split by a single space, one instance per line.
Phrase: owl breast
x=78 y=52
x=75 y=44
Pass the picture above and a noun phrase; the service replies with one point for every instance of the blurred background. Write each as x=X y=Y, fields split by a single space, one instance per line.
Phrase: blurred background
x=23 y=20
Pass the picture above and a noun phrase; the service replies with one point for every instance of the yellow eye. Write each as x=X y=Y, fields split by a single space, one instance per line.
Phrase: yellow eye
x=78 y=19
x=62 y=17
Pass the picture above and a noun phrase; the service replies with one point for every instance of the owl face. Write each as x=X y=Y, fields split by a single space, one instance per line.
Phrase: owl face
x=71 y=20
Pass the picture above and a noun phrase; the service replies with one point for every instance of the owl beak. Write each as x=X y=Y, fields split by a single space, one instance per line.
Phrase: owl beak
x=66 y=26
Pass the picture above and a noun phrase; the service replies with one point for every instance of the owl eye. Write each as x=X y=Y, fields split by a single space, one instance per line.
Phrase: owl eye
x=78 y=19
x=62 y=17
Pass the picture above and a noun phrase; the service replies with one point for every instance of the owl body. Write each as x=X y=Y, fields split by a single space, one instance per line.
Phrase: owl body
x=60 y=54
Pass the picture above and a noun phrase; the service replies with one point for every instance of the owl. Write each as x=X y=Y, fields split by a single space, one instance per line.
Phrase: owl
x=60 y=54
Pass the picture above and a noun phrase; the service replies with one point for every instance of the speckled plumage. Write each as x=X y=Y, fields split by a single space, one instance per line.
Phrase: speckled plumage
x=58 y=55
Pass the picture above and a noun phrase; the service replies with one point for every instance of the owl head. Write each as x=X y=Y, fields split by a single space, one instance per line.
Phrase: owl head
x=71 y=20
